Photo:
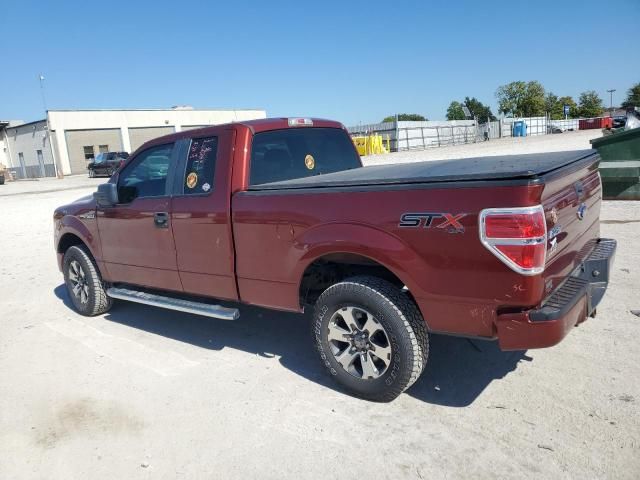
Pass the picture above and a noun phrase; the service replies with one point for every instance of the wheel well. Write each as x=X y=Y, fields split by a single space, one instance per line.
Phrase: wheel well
x=336 y=267
x=68 y=240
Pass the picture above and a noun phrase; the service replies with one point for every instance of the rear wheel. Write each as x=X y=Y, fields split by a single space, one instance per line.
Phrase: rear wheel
x=370 y=337
x=84 y=284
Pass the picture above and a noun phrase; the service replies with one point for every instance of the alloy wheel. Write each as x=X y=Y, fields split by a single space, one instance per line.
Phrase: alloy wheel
x=359 y=343
x=79 y=282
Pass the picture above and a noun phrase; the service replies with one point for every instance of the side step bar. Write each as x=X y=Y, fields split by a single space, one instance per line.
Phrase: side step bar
x=197 y=308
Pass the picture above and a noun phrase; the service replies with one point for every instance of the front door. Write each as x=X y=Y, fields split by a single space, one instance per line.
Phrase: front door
x=136 y=236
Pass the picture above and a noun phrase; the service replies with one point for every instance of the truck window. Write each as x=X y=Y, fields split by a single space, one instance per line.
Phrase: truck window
x=201 y=165
x=301 y=152
x=146 y=176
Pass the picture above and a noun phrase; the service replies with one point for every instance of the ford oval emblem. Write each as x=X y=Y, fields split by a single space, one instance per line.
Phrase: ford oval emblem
x=582 y=209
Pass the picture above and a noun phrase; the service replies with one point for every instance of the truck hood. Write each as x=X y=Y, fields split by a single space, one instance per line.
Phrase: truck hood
x=524 y=167
x=78 y=206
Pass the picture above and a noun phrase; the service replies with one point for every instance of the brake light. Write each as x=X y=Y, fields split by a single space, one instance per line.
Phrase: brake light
x=300 y=122
x=517 y=236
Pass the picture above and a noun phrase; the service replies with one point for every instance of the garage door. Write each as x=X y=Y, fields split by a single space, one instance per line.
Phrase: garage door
x=137 y=136
x=81 y=144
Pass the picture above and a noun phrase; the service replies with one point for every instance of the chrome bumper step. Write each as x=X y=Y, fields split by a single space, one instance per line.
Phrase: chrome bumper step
x=187 y=306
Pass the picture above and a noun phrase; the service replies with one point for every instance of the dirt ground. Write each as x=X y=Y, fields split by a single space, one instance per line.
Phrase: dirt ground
x=145 y=393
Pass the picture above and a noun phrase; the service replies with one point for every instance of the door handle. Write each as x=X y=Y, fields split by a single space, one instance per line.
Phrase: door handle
x=161 y=220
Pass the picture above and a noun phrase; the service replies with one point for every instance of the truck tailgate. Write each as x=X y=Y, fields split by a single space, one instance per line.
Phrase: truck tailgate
x=571 y=201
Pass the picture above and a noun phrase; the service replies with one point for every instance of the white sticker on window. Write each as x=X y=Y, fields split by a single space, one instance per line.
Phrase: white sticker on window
x=206 y=187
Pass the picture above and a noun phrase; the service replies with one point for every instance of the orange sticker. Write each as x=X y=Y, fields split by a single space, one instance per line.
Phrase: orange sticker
x=192 y=180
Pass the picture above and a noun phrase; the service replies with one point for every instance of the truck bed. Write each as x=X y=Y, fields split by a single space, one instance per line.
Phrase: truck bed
x=526 y=167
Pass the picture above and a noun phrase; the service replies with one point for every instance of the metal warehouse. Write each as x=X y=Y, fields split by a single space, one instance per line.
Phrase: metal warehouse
x=67 y=140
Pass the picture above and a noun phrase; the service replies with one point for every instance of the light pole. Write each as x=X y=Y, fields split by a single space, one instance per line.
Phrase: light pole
x=611 y=101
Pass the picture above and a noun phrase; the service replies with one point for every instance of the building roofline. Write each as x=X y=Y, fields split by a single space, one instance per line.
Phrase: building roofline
x=26 y=123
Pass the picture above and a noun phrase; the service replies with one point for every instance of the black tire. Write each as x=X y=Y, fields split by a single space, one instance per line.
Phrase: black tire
x=90 y=298
x=1 y=179
x=401 y=321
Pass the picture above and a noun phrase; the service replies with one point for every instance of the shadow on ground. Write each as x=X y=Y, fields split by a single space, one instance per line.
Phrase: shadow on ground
x=456 y=374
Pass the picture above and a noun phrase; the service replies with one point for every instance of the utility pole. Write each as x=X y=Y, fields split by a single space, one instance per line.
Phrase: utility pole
x=56 y=167
x=610 y=92
x=44 y=100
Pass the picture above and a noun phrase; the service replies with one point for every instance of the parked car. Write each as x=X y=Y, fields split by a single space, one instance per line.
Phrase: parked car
x=280 y=213
x=619 y=122
x=106 y=163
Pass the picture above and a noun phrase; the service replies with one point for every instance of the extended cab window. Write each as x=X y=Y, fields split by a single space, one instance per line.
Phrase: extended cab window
x=146 y=176
x=300 y=152
x=201 y=164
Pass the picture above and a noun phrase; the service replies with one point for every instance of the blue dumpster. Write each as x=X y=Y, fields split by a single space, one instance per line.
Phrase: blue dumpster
x=519 y=129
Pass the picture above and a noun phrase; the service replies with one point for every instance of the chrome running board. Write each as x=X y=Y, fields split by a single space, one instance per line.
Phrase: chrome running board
x=197 y=308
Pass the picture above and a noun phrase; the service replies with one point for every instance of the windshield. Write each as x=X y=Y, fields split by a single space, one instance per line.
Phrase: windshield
x=301 y=152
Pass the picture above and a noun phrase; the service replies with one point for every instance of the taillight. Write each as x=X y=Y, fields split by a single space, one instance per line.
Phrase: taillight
x=517 y=236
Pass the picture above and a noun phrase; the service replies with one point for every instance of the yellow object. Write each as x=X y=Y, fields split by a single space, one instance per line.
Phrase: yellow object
x=371 y=144
x=192 y=180
x=309 y=162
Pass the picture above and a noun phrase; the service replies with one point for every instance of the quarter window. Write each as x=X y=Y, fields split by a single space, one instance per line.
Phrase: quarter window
x=201 y=164
x=146 y=176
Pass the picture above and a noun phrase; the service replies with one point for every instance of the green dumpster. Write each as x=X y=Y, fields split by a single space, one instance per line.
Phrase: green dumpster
x=620 y=164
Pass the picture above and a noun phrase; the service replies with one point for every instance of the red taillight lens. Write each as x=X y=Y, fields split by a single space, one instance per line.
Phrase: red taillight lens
x=522 y=225
x=524 y=256
x=517 y=236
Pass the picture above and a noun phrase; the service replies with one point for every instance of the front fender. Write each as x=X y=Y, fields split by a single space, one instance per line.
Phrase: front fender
x=86 y=232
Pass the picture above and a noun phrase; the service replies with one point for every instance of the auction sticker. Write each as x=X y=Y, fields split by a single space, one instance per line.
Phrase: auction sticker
x=310 y=162
x=192 y=180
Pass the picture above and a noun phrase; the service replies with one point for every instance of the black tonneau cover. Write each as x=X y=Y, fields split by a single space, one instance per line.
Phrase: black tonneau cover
x=529 y=166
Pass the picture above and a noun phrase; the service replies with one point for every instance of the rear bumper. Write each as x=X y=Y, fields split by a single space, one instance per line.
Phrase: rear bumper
x=570 y=304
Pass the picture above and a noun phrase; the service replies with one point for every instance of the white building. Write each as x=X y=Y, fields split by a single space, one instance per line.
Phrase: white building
x=68 y=139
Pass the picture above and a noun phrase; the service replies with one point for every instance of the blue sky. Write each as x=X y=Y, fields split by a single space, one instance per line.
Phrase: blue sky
x=351 y=61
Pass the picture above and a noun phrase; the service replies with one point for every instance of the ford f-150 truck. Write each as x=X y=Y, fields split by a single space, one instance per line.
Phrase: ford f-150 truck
x=281 y=213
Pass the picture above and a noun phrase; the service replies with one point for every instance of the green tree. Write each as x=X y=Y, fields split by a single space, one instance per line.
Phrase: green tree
x=590 y=104
x=455 y=112
x=573 y=107
x=475 y=106
x=633 y=97
x=554 y=106
x=521 y=99
x=478 y=109
x=405 y=117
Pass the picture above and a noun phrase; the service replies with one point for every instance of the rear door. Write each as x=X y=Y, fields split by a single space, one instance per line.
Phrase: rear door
x=136 y=237
x=201 y=215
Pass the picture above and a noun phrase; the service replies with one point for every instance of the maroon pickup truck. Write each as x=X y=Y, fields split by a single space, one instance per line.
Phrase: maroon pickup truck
x=280 y=213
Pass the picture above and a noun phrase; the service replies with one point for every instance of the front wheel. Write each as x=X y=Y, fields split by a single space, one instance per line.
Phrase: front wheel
x=370 y=337
x=84 y=284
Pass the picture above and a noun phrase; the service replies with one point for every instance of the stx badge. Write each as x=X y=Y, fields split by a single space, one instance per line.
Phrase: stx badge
x=425 y=220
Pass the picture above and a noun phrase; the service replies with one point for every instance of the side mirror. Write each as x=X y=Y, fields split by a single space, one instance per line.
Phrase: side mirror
x=107 y=195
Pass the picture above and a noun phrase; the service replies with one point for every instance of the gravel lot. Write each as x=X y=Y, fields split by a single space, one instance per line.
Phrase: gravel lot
x=146 y=393
x=504 y=146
